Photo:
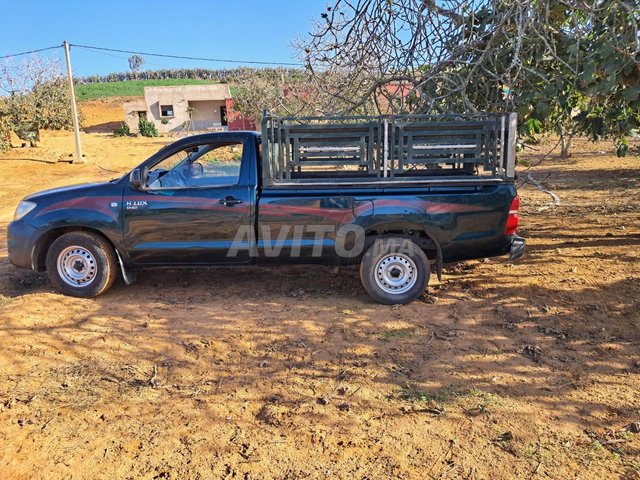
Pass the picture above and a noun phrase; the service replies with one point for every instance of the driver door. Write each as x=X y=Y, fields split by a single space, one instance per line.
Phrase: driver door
x=190 y=205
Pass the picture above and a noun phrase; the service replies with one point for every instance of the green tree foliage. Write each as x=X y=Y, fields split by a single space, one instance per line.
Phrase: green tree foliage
x=609 y=74
x=5 y=129
x=280 y=91
x=566 y=66
x=36 y=98
x=286 y=92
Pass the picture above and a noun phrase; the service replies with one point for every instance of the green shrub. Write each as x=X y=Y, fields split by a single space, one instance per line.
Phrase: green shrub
x=147 y=128
x=622 y=146
x=5 y=129
x=122 y=130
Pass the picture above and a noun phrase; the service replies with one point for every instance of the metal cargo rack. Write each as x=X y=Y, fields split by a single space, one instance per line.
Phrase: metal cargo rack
x=398 y=148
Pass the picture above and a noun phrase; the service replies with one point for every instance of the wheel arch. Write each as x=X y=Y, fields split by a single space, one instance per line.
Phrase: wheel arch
x=40 y=249
x=425 y=239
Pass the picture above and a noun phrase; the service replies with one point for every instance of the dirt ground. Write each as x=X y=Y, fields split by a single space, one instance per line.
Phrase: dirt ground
x=503 y=370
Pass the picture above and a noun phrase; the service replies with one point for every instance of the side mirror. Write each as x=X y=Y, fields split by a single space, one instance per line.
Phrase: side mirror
x=135 y=179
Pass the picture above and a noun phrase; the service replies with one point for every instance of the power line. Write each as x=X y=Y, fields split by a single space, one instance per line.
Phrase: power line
x=186 y=58
x=120 y=57
x=254 y=62
x=30 y=51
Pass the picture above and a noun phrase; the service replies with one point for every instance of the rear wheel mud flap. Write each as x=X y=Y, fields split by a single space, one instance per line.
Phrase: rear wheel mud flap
x=439 y=262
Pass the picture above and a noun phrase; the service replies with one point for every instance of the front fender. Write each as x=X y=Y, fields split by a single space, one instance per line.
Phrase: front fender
x=107 y=224
x=52 y=222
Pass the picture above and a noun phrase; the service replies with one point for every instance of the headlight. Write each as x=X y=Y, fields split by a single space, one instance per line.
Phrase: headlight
x=23 y=208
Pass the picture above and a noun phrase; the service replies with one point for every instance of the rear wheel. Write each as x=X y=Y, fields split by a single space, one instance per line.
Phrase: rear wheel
x=81 y=264
x=394 y=271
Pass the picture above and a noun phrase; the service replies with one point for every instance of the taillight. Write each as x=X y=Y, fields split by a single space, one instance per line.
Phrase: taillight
x=512 y=219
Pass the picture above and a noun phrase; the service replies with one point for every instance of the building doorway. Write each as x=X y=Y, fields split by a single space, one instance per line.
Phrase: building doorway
x=223 y=115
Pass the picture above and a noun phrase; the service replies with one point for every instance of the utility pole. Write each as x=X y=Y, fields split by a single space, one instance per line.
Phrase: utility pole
x=74 y=109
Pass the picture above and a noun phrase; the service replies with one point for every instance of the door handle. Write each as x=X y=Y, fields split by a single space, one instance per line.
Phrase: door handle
x=229 y=201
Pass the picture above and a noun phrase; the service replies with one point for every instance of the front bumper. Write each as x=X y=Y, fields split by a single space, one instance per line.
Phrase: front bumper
x=517 y=248
x=21 y=238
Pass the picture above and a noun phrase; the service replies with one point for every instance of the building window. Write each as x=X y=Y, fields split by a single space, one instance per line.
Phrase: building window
x=166 y=110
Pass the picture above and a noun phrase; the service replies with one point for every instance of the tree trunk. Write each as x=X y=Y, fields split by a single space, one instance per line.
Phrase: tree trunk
x=565 y=144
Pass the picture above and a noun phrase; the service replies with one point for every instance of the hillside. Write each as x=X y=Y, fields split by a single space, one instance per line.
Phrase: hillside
x=90 y=91
x=102 y=115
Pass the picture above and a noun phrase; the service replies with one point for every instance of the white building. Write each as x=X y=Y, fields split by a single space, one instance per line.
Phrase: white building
x=185 y=108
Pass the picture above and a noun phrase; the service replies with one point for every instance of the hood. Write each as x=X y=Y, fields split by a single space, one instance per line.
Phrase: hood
x=68 y=189
x=90 y=197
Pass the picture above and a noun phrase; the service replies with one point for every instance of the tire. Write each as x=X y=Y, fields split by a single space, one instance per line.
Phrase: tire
x=81 y=264
x=394 y=271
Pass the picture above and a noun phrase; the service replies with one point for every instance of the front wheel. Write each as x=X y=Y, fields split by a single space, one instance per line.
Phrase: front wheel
x=394 y=271
x=81 y=264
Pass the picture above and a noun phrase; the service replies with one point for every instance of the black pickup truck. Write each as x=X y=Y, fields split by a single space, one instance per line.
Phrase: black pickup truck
x=400 y=195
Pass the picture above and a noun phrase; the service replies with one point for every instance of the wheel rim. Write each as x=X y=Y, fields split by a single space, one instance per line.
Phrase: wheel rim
x=396 y=273
x=77 y=266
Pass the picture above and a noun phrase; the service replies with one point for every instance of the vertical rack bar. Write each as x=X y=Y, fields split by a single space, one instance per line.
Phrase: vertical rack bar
x=392 y=148
x=287 y=150
x=401 y=147
x=496 y=141
x=266 y=145
x=510 y=160
x=385 y=158
x=278 y=142
x=370 y=144
x=379 y=134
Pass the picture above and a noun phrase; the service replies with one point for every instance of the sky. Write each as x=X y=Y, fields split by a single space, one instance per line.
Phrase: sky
x=261 y=30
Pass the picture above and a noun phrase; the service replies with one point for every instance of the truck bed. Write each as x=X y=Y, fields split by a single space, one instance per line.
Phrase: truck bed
x=464 y=220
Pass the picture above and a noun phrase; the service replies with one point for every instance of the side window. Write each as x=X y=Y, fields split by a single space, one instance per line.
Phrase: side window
x=206 y=165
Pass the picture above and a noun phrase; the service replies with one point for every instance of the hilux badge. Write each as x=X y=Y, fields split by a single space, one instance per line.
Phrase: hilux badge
x=136 y=204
